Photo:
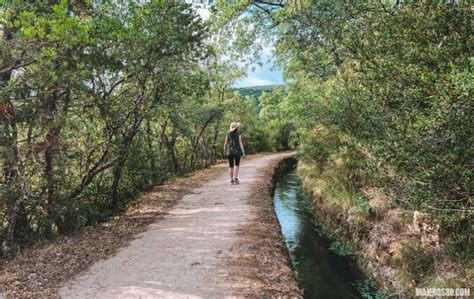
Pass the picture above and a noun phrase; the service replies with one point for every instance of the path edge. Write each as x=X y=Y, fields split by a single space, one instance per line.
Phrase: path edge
x=259 y=264
x=42 y=269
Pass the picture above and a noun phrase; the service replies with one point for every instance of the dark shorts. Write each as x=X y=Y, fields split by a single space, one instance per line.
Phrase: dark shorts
x=232 y=159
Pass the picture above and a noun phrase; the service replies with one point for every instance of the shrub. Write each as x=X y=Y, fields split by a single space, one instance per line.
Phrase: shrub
x=415 y=262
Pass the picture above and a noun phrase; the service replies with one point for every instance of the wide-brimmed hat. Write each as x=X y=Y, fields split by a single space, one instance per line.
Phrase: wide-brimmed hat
x=233 y=126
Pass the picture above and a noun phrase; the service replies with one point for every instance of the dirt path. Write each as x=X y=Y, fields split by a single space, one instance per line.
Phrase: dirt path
x=178 y=255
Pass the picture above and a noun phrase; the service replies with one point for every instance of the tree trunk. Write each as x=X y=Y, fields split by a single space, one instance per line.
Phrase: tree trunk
x=194 y=155
x=151 y=154
x=117 y=175
x=21 y=223
x=174 y=159
x=25 y=193
x=48 y=172
x=175 y=167
x=122 y=158
x=215 y=145
x=49 y=156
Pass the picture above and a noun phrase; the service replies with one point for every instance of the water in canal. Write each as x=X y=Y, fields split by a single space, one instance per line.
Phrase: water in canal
x=320 y=272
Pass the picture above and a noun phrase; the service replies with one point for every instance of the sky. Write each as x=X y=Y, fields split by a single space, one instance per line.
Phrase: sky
x=266 y=74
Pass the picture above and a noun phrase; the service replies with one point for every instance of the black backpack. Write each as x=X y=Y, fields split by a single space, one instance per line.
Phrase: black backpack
x=231 y=146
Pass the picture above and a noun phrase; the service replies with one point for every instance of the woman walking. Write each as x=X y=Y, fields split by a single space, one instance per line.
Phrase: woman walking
x=234 y=149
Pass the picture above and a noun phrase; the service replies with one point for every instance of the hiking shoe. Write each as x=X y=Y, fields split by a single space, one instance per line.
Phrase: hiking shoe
x=232 y=182
x=236 y=181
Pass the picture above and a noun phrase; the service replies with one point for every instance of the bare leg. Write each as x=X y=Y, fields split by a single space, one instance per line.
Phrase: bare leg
x=231 y=173
x=236 y=172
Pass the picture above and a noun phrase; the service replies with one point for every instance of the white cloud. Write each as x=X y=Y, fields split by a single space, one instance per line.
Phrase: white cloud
x=204 y=13
x=267 y=74
x=263 y=76
x=267 y=51
x=252 y=81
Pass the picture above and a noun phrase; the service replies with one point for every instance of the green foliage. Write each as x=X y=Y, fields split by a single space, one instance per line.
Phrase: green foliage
x=340 y=249
x=459 y=244
x=278 y=124
x=383 y=88
x=256 y=91
x=101 y=100
x=368 y=290
x=363 y=204
x=415 y=262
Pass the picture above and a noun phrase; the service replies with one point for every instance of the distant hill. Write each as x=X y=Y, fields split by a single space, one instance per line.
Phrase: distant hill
x=256 y=91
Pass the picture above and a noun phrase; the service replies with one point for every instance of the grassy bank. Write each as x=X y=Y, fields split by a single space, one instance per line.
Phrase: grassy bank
x=399 y=248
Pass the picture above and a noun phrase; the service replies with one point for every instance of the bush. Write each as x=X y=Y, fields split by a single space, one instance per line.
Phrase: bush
x=415 y=262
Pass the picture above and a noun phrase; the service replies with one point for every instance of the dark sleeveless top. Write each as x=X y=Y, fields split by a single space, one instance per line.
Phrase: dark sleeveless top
x=236 y=141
